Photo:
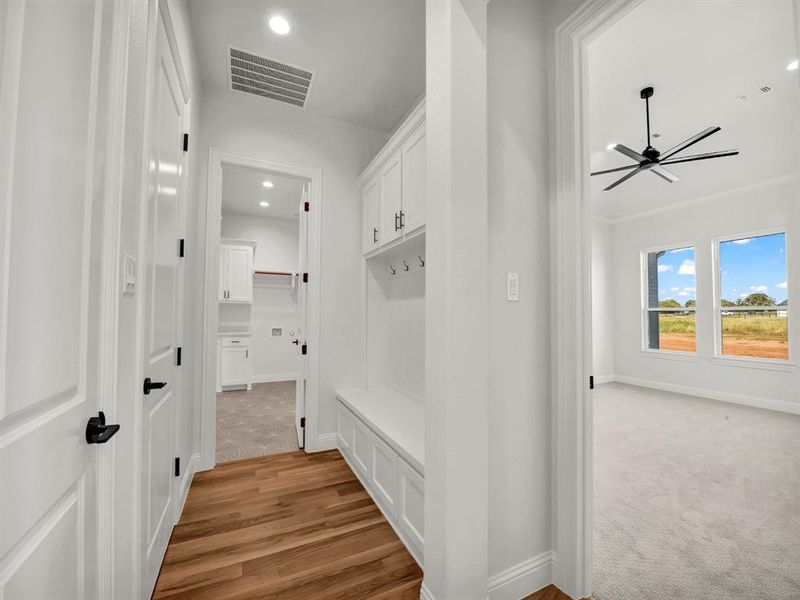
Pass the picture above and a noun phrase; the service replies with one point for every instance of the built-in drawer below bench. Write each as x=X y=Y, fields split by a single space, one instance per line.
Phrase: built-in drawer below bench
x=381 y=434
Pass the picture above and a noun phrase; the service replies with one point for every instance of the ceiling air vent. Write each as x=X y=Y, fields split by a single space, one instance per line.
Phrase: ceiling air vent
x=755 y=93
x=268 y=78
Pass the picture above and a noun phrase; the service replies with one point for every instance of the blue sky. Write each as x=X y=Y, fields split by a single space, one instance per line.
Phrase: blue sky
x=748 y=265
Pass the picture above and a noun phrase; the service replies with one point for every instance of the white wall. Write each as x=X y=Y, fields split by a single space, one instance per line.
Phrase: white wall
x=519 y=338
x=277 y=239
x=602 y=303
x=274 y=297
x=773 y=206
x=266 y=129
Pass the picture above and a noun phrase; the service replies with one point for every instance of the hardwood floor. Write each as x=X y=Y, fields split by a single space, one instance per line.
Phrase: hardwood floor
x=286 y=526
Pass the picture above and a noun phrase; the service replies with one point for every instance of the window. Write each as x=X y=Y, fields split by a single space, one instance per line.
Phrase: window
x=753 y=298
x=671 y=297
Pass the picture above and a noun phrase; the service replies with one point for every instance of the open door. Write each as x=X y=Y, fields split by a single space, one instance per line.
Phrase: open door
x=302 y=311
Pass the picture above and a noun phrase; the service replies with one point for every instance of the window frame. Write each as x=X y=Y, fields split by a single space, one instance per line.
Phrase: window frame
x=733 y=359
x=646 y=309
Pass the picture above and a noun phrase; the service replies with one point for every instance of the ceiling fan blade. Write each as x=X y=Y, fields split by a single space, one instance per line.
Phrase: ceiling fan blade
x=624 y=179
x=630 y=153
x=614 y=170
x=692 y=140
x=664 y=174
x=707 y=155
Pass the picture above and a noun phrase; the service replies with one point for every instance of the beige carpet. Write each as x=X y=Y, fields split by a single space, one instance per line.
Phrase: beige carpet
x=256 y=423
x=694 y=498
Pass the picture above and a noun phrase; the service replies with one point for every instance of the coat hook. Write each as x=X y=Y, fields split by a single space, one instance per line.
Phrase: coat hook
x=421 y=261
x=392 y=270
x=405 y=265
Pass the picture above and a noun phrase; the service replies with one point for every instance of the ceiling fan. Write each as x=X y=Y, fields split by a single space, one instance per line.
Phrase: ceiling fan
x=652 y=160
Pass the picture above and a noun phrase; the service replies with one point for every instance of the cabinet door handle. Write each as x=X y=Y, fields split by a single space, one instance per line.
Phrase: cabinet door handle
x=396 y=221
x=247 y=353
x=402 y=219
x=374 y=235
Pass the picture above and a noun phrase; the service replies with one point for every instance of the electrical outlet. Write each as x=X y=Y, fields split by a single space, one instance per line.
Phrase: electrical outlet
x=512 y=287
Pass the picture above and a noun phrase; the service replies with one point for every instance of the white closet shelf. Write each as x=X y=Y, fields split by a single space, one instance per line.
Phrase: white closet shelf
x=397 y=418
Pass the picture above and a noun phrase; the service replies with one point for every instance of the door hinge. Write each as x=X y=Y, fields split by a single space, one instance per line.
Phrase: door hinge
x=304 y=349
x=178 y=356
x=305 y=277
x=307 y=206
x=181 y=247
x=591 y=382
x=177 y=466
x=302 y=421
x=185 y=142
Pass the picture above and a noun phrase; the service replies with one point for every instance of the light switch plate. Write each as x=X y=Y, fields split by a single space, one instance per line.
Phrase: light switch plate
x=512 y=287
x=128 y=274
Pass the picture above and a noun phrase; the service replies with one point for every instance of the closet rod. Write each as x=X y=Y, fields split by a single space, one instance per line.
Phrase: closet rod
x=284 y=273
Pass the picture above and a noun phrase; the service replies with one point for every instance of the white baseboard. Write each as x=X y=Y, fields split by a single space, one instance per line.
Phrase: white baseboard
x=522 y=579
x=325 y=441
x=777 y=405
x=598 y=379
x=425 y=593
x=273 y=377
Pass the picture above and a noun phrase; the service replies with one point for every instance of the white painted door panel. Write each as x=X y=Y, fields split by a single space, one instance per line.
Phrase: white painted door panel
x=235 y=366
x=344 y=429
x=54 y=93
x=240 y=273
x=301 y=383
x=412 y=506
x=414 y=181
x=161 y=315
x=391 y=183
x=362 y=448
x=371 y=225
x=384 y=474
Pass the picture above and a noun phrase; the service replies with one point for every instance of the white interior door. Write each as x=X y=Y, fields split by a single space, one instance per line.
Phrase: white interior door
x=54 y=98
x=302 y=311
x=160 y=289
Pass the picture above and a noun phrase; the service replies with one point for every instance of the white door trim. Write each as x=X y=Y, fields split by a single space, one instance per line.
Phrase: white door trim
x=216 y=158
x=572 y=310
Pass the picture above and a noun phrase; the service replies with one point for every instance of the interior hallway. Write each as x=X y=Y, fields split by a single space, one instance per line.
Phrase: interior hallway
x=693 y=498
x=288 y=526
x=256 y=422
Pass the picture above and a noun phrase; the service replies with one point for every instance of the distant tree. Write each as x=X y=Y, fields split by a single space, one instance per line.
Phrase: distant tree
x=757 y=299
x=725 y=302
x=690 y=303
x=669 y=303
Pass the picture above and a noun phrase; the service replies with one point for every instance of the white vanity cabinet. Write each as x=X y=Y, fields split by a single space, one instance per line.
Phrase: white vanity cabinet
x=234 y=361
x=236 y=271
x=393 y=187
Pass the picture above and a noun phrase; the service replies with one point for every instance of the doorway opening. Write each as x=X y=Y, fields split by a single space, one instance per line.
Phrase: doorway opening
x=263 y=313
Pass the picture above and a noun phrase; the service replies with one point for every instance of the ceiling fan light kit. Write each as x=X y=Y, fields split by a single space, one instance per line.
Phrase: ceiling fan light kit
x=652 y=160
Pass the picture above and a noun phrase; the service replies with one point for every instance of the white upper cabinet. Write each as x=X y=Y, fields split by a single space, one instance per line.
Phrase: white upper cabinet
x=236 y=271
x=372 y=216
x=391 y=179
x=413 y=159
x=393 y=186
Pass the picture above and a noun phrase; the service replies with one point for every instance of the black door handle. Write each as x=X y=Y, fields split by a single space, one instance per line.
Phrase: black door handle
x=152 y=385
x=396 y=222
x=374 y=235
x=97 y=432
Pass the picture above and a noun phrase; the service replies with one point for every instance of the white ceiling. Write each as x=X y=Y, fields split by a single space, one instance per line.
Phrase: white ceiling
x=242 y=190
x=699 y=56
x=368 y=56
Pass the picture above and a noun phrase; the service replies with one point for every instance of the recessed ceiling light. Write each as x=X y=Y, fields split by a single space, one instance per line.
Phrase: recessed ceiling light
x=264 y=204
x=611 y=146
x=267 y=184
x=792 y=66
x=279 y=25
